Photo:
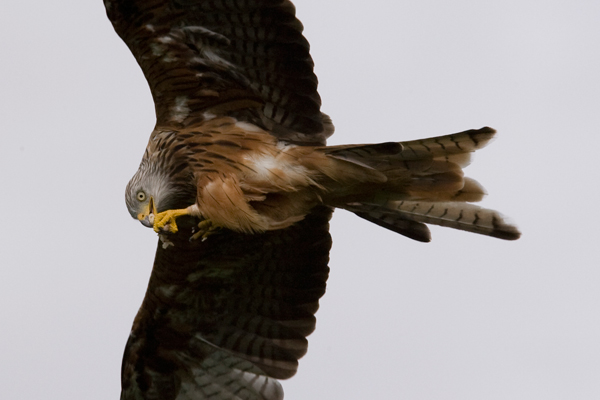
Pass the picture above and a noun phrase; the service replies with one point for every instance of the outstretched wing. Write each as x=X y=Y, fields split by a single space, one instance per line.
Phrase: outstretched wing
x=245 y=58
x=225 y=318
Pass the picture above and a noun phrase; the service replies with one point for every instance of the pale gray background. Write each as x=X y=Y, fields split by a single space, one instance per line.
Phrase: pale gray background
x=464 y=317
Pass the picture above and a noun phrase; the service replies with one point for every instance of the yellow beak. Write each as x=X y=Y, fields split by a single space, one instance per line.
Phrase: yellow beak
x=146 y=217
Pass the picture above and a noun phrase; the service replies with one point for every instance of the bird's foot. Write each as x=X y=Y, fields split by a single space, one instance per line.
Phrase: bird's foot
x=205 y=229
x=165 y=221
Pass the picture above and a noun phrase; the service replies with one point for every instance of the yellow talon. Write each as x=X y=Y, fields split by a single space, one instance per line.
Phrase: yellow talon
x=161 y=220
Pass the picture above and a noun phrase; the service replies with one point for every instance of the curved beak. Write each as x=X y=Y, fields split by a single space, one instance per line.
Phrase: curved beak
x=146 y=217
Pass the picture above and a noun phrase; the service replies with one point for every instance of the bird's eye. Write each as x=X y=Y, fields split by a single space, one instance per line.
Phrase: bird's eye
x=141 y=196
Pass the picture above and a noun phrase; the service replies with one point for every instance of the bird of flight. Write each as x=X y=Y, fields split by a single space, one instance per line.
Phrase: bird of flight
x=240 y=185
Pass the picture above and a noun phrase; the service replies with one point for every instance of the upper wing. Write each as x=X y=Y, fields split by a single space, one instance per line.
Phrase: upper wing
x=225 y=318
x=247 y=58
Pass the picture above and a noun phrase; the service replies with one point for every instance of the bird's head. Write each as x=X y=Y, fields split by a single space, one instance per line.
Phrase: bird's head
x=147 y=194
x=154 y=190
x=162 y=182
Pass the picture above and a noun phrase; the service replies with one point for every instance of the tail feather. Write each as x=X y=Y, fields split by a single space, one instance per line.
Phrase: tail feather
x=431 y=165
x=471 y=192
x=394 y=222
x=457 y=215
x=425 y=185
x=448 y=146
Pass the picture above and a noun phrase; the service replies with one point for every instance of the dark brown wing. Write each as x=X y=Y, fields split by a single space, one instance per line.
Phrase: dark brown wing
x=226 y=318
x=246 y=58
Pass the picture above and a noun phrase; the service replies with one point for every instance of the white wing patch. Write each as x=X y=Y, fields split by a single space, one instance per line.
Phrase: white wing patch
x=208 y=116
x=247 y=126
x=160 y=47
x=180 y=110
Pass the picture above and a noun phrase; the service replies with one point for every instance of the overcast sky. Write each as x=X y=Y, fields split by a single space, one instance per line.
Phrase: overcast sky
x=464 y=317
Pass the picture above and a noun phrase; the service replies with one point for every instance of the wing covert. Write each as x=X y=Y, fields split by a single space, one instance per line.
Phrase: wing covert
x=246 y=58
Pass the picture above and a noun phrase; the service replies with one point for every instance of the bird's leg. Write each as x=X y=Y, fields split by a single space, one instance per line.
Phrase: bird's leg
x=205 y=229
x=165 y=221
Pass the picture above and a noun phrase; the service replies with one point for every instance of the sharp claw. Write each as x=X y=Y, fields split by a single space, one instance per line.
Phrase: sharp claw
x=205 y=229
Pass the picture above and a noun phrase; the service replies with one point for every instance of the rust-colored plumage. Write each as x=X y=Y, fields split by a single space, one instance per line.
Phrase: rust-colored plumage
x=239 y=183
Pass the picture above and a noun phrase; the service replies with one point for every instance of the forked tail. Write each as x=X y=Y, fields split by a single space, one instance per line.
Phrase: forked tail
x=424 y=185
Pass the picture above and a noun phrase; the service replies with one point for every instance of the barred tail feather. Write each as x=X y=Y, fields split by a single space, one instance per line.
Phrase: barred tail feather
x=393 y=221
x=449 y=147
x=457 y=215
x=424 y=184
x=428 y=169
x=471 y=191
